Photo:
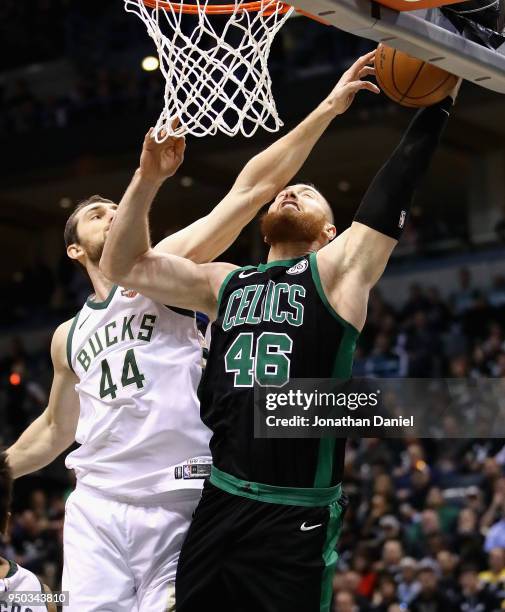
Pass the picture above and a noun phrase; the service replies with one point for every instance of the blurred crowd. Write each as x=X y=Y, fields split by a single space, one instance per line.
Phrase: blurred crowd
x=425 y=527
x=35 y=538
x=458 y=336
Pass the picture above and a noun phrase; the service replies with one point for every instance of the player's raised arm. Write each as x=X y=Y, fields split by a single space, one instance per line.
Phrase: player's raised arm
x=352 y=264
x=267 y=173
x=128 y=238
x=54 y=430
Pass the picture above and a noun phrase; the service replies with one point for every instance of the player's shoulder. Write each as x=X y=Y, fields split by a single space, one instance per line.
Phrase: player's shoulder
x=19 y=578
x=59 y=343
x=218 y=273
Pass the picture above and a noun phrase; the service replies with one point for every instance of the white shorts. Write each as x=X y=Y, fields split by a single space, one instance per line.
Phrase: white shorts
x=120 y=557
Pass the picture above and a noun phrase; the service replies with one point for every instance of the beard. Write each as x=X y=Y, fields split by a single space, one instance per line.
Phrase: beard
x=287 y=225
x=94 y=251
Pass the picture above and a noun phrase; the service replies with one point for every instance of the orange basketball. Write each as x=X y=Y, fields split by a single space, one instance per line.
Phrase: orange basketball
x=410 y=81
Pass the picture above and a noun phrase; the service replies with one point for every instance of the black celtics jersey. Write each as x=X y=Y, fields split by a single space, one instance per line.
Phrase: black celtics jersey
x=274 y=323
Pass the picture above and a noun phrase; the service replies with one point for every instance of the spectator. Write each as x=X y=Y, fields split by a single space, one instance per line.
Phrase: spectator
x=495 y=537
x=493 y=579
x=468 y=539
x=430 y=597
x=385 y=595
x=392 y=554
x=463 y=299
x=349 y=581
x=384 y=361
x=473 y=598
x=345 y=602
x=408 y=586
x=447 y=513
x=448 y=563
x=423 y=347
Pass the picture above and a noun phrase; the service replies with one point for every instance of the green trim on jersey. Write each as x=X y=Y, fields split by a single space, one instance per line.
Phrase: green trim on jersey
x=330 y=555
x=345 y=356
x=286 y=263
x=69 y=340
x=100 y=305
x=13 y=568
x=342 y=368
x=224 y=284
x=287 y=496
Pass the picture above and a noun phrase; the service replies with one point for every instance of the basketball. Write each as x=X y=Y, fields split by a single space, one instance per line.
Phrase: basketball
x=409 y=81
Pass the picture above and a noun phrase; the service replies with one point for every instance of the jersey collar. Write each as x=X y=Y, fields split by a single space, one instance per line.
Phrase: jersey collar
x=99 y=305
x=286 y=263
x=13 y=568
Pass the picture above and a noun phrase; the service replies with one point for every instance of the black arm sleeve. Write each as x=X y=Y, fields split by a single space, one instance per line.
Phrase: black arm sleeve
x=386 y=204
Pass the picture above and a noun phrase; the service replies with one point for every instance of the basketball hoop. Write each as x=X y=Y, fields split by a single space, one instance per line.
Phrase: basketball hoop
x=216 y=70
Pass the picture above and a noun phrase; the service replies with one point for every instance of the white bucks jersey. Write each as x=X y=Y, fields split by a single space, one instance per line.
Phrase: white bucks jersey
x=139 y=364
x=19 y=589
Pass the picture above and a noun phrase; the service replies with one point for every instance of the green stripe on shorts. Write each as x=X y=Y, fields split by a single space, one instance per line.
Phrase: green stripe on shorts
x=309 y=497
x=330 y=555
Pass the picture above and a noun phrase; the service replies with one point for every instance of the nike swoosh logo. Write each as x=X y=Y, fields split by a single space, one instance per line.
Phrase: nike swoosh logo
x=84 y=321
x=246 y=275
x=306 y=527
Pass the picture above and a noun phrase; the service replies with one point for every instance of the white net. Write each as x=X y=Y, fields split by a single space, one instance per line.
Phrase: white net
x=215 y=66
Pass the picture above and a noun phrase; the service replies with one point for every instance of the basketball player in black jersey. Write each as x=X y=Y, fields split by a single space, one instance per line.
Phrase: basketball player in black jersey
x=264 y=534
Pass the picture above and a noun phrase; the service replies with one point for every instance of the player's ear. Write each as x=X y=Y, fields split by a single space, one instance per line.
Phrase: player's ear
x=330 y=231
x=75 y=251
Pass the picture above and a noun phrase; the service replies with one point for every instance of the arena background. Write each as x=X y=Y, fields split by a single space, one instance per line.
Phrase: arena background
x=74 y=106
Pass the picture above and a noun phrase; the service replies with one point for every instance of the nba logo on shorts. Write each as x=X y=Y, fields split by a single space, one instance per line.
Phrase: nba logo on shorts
x=403 y=216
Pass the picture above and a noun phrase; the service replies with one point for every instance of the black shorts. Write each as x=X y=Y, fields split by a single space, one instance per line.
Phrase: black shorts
x=243 y=555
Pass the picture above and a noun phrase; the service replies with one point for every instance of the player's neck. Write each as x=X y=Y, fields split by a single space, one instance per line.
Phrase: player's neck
x=4 y=567
x=291 y=250
x=101 y=285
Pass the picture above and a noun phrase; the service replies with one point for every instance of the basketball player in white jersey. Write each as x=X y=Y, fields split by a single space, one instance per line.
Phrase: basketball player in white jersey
x=126 y=374
x=13 y=578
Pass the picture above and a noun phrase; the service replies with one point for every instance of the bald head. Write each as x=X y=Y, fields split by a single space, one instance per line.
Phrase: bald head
x=309 y=187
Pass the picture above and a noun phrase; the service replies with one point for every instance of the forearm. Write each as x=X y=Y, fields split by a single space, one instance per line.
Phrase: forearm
x=128 y=237
x=387 y=202
x=270 y=171
x=37 y=446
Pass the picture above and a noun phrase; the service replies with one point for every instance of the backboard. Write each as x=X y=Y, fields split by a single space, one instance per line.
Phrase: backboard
x=425 y=33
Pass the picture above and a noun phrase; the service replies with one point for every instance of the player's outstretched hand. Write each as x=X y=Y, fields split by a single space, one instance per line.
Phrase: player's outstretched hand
x=351 y=82
x=160 y=161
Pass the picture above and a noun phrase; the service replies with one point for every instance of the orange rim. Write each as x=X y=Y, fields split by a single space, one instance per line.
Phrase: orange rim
x=227 y=9
x=217 y=9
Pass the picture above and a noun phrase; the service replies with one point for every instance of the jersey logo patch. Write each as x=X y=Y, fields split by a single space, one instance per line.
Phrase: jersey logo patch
x=306 y=527
x=129 y=293
x=247 y=274
x=299 y=268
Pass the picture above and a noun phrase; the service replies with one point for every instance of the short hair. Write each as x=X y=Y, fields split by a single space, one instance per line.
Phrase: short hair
x=6 y=481
x=70 y=234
